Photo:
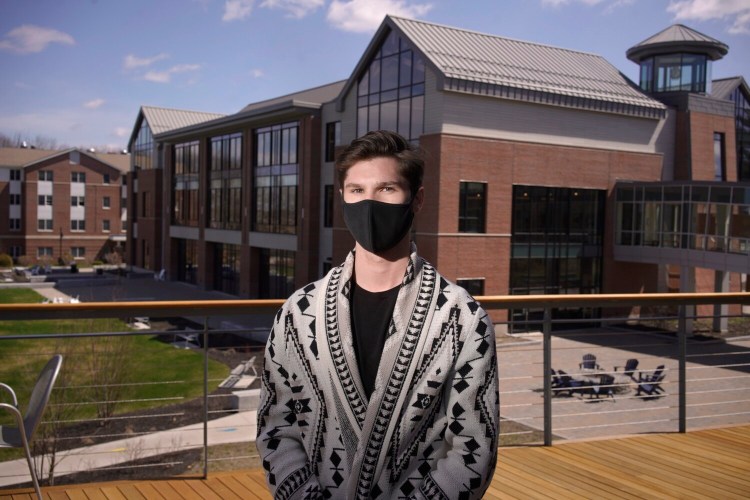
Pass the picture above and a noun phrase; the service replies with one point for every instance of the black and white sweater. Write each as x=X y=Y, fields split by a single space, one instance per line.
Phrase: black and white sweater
x=430 y=429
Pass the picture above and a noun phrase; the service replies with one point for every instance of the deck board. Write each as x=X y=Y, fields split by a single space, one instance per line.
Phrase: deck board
x=711 y=463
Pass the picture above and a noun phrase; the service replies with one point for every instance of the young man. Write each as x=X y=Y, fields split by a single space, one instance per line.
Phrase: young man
x=380 y=380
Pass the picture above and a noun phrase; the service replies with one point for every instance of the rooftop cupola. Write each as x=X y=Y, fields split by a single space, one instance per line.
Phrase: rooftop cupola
x=677 y=59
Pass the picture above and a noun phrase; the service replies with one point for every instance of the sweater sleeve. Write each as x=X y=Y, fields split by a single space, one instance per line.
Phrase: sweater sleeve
x=289 y=473
x=473 y=418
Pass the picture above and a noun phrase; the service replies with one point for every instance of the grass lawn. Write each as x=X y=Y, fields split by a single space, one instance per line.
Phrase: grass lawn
x=140 y=371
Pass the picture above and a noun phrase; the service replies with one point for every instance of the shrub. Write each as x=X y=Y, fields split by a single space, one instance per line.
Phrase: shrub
x=6 y=260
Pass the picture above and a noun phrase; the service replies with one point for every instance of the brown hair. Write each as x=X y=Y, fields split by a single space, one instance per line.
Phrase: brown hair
x=383 y=143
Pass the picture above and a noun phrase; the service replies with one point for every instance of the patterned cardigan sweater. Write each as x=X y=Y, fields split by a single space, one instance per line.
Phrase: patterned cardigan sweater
x=430 y=429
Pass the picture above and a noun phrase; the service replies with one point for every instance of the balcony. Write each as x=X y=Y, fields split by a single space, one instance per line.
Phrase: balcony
x=192 y=373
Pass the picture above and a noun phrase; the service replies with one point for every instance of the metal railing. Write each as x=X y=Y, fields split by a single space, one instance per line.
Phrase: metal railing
x=706 y=375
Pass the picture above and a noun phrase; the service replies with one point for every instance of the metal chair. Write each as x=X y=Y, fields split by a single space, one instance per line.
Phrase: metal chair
x=26 y=424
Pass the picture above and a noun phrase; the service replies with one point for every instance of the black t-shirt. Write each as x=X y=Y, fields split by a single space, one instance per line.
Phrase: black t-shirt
x=371 y=317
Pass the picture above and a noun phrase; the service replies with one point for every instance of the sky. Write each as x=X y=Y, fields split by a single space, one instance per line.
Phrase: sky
x=76 y=72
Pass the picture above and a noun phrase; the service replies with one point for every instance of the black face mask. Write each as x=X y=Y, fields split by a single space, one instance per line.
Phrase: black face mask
x=378 y=226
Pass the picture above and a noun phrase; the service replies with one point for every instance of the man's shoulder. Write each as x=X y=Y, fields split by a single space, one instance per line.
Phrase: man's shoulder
x=312 y=289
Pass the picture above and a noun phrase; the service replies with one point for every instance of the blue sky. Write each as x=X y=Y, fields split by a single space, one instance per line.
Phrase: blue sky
x=77 y=71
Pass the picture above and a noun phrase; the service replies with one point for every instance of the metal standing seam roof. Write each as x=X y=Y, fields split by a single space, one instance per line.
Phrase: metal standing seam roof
x=488 y=64
x=163 y=119
x=317 y=95
x=721 y=89
x=680 y=38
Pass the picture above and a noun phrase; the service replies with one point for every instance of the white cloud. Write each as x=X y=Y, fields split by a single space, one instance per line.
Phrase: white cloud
x=735 y=11
x=364 y=16
x=235 y=10
x=122 y=132
x=166 y=76
x=29 y=38
x=93 y=104
x=133 y=62
x=295 y=8
x=257 y=73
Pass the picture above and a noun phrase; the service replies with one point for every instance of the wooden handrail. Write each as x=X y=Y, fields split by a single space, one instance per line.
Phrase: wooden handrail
x=270 y=306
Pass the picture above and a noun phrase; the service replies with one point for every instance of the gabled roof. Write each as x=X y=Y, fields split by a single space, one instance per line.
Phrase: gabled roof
x=288 y=105
x=478 y=63
x=162 y=120
x=25 y=157
x=721 y=89
x=678 y=38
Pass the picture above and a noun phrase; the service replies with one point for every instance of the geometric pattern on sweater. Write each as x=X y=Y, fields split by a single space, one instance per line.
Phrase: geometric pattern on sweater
x=335 y=344
x=395 y=383
x=430 y=427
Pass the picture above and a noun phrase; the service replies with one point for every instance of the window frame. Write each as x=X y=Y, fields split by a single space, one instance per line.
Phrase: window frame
x=464 y=208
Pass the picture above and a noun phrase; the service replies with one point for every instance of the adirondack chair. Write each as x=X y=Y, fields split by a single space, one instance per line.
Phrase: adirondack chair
x=629 y=369
x=605 y=387
x=588 y=363
x=566 y=383
x=650 y=384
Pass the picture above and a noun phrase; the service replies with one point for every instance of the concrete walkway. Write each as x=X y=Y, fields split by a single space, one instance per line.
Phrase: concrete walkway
x=236 y=428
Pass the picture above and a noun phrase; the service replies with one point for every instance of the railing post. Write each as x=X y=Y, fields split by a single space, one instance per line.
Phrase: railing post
x=682 y=366
x=205 y=398
x=547 y=355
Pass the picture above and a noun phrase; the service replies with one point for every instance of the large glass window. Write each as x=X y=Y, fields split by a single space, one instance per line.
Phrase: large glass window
x=187 y=261
x=556 y=247
x=390 y=94
x=225 y=171
x=720 y=164
x=698 y=216
x=333 y=139
x=227 y=268
x=143 y=149
x=676 y=73
x=276 y=176
x=472 y=207
x=742 y=133
x=185 y=184
x=276 y=273
x=328 y=206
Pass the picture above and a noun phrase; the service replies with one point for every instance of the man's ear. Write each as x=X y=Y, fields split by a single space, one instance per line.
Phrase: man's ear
x=418 y=200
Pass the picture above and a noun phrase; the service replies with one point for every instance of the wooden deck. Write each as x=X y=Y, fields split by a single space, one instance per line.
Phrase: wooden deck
x=712 y=463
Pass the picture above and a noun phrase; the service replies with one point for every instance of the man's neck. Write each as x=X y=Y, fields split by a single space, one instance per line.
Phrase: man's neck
x=378 y=273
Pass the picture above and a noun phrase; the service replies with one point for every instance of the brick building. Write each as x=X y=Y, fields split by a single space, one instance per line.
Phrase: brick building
x=532 y=152
x=62 y=206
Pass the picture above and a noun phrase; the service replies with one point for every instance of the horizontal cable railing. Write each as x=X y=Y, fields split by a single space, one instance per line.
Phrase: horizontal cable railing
x=560 y=379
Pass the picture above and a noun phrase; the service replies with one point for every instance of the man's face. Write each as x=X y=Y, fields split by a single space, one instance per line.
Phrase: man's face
x=376 y=179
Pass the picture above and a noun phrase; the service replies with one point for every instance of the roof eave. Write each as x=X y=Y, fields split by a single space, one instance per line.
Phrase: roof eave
x=656 y=110
x=290 y=107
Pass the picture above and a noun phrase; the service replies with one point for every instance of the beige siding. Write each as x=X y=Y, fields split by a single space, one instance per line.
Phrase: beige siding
x=518 y=121
x=433 y=104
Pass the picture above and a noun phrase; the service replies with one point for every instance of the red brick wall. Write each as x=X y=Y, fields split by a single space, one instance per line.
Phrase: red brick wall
x=95 y=242
x=702 y=128
x=452 y=159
